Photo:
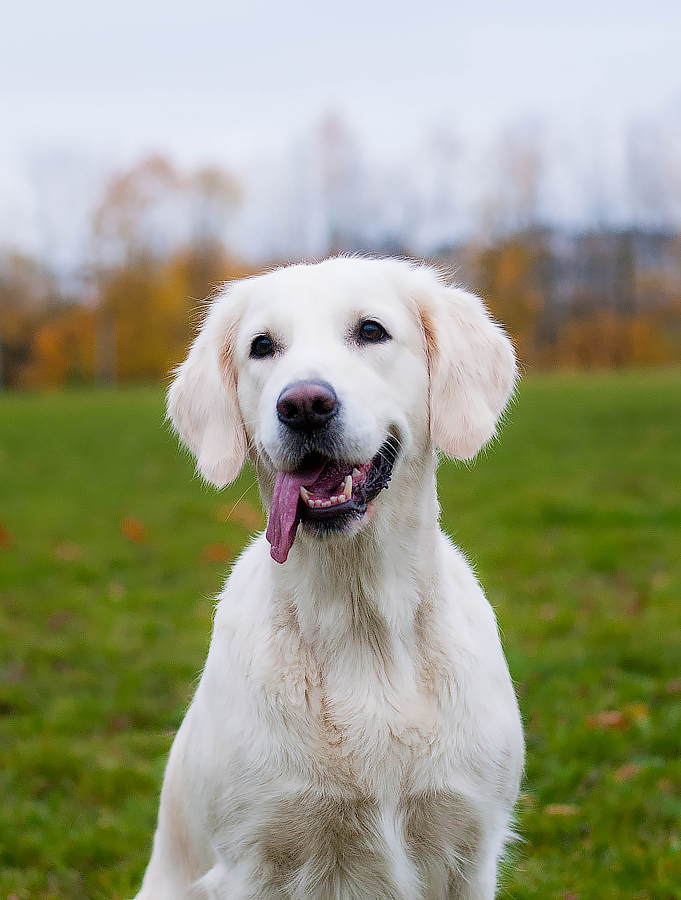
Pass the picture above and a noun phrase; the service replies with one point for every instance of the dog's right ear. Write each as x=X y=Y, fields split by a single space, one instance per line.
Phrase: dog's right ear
x=202 y=400
x=471 y=364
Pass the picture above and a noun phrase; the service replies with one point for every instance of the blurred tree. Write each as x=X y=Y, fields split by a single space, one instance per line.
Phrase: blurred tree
x=159 y=250
x=65 y=184
x=515 y=201
x=138 y=213
x=649 y=168
x=212 y=194
x=606 y=340
x=62 y=349
x=25 y=289
x=511 y=273
x=342 y=184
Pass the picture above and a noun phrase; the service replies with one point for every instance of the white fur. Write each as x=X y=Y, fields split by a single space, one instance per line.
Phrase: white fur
x=355 y=733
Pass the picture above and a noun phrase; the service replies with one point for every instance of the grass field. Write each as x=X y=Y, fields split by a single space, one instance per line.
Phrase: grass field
x=111 y=552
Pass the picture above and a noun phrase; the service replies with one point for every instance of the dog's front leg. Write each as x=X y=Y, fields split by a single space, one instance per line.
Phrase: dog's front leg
x=480 y=882
x=175 y=869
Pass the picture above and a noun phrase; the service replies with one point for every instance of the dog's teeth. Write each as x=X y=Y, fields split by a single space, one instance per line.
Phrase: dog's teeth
x=347 y=487
x=318 y=502
x=305 y=494
x=326 y=503
x=356 y=473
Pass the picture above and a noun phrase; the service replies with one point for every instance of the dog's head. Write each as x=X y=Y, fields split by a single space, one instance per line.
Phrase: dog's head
x=334 y=375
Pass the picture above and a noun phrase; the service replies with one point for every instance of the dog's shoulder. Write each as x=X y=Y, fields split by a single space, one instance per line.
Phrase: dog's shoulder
x=461 y=604
x=472 y=668
x=244 y=600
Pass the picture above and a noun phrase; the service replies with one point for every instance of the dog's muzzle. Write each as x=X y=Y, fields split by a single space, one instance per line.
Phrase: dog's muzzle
x=327 y=494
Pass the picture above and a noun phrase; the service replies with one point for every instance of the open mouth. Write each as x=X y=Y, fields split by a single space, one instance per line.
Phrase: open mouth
x=326 y=494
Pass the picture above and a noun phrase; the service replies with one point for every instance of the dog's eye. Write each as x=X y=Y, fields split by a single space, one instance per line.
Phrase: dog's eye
x=371 y=332
x=262 y=346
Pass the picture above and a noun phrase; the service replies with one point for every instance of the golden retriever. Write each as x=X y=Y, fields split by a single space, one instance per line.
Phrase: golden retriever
x=355 y=732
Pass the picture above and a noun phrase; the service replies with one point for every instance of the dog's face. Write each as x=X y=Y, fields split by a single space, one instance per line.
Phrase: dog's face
x=334 y=375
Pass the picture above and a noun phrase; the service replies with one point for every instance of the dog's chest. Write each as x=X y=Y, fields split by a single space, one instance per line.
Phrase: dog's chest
x=353 y=721
x=386 y=810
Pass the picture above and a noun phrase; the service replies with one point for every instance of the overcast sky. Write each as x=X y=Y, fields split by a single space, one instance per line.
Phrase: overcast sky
x=206 y=77
x=230 y=81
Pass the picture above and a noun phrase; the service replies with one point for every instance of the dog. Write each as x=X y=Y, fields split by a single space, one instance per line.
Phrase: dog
x=355 y=732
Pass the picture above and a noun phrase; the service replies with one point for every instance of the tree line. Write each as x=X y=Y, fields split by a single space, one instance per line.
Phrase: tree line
x=156 y=250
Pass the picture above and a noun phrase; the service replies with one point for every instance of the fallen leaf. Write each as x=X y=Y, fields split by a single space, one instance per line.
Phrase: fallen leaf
x=14 y=673
x=217 y=553
x=568 y=895
x=604 y=721
x=133 y=530
x=624 y=773
x=637 y=712
x=119 y=723
x=561 y=809
x=69 y=552
x=243 y=513
x=59 y=619
x=115 y=590
x=673 y=686
x=6 y=539
x=660 y=580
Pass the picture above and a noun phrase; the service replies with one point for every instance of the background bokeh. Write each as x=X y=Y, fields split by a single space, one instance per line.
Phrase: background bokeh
x=150 y=151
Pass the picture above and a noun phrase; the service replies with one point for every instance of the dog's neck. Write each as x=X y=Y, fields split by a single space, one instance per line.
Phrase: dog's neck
x=343 y=592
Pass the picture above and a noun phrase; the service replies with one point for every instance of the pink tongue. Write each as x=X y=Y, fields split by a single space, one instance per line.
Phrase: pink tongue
x=283 y=520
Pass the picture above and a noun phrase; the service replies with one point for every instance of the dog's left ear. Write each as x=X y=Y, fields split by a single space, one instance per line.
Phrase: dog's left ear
x=471 y=363
x=202 y=400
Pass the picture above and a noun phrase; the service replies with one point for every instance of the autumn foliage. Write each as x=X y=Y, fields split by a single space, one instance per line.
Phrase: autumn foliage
x=157 y=251
x=156 y=254
x=593 y=310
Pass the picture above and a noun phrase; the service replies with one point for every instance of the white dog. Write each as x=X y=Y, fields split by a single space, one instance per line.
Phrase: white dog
x=355 y=732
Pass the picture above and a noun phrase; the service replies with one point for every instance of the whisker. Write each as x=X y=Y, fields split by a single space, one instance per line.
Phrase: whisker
x=253 y=484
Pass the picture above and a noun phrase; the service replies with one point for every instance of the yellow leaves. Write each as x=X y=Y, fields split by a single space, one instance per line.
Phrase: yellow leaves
x=154 y=305
x=605 y=339
x=637 y=713
x=509 y=283
x=62 y=350
x=133 y=530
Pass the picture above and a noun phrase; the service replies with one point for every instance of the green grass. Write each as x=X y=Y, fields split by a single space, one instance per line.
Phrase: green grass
x=572 y=520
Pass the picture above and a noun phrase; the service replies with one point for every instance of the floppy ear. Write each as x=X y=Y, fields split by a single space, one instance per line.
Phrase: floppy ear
x=472 y=367
x=202 y=400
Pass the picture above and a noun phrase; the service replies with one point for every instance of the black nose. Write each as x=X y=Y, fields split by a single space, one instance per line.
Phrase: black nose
x=307 y=405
